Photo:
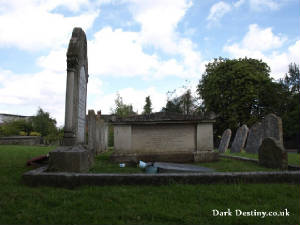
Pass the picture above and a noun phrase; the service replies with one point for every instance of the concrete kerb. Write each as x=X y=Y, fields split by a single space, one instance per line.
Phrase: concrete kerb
x=290 y=167
x=39 y=177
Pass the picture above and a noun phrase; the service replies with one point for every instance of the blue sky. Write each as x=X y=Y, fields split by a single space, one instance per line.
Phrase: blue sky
x=135 y=47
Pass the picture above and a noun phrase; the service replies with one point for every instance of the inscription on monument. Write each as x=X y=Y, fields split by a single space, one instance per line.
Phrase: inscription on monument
x=81 y=105
x=164 y=138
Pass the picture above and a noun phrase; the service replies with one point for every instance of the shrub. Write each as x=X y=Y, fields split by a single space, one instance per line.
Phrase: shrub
x=34 y=133
x=22 y=133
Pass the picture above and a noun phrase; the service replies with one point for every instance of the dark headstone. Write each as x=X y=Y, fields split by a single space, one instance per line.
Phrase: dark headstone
x=254 y=139
x=239 y=139
x=225 y=140
x=272 y=154
x=272 y=126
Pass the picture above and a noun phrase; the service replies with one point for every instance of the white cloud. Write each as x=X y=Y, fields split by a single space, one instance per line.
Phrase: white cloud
x=44 y=89
x=32 y=25
x=239 y=3
x=264 y=44
x=217 y=11
x=121 y=53
x=259 y=5
x=262 y=39
x=159 y=20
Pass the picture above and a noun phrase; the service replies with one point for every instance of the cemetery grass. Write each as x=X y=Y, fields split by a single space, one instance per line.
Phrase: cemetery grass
x=167 y=204
x=293 y=158
x=103 y=165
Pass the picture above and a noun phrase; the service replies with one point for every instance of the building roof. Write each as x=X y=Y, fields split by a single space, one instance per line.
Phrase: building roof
x=164 y=117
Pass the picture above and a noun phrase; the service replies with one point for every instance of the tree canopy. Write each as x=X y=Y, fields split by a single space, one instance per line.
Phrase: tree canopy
x=184 y=104
x=43 y=123
x=121 y=109
x=147 y=106
x=236 y=89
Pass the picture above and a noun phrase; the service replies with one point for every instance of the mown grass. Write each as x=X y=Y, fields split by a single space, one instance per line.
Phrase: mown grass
x=168 y=204
x=293 y=158
x=103 y=165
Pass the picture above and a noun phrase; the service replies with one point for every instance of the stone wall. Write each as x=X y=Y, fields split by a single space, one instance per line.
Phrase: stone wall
x=20 y=140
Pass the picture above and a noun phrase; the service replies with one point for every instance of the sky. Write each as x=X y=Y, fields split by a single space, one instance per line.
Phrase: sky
x=136 y=48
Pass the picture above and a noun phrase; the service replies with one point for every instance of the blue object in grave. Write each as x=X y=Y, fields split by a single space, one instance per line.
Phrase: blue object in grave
x=151 y=169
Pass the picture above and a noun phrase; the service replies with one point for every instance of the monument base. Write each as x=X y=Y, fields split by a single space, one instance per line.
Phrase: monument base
x=206 y=156
x=70 y=159
x=178 y=157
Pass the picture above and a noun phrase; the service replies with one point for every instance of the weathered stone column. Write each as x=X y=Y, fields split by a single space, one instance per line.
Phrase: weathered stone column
x=73 y=156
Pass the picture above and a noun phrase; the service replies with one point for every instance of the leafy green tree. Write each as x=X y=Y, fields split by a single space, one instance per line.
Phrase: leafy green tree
x=122 y=109
x=14 y=127
x=173 y=105
x=291 y=79
x=43 y=123
x=184 y=104
x=147 y=106
x=238 y=90
x=290 y=109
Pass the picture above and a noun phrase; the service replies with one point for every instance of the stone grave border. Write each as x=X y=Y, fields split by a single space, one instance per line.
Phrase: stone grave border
x=39 y=177
x=290 y=167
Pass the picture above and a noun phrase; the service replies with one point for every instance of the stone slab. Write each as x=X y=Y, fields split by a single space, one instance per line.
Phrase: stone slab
x=225 y=141
x=239 y=139
x=254 y=139
x=272 y=154
x=164 y=167
x=272 y=126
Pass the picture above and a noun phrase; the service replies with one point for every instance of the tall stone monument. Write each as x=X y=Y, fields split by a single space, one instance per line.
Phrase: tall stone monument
x=225 y=140
x=239 y=139
x=73 y=156
x=254 y=139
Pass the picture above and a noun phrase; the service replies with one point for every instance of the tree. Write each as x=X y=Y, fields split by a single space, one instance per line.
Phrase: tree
x=147 y=106
x=290 y=106
x=122 y=109
x=184 y=104
x=291 y=80
x=187 y=102
x=43 y=123
x=238 y=90
x=14 y=127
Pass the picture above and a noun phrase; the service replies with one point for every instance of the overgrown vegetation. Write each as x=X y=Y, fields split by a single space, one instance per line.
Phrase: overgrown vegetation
x=166 y=204
x=39 y=125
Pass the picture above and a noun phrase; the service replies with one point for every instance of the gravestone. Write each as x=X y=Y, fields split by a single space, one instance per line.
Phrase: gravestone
x=73 y=156
x=254 y=139
x=272 y=126
x=272 y=154
x=92 y=131
x=239 y=139
x=225 y=140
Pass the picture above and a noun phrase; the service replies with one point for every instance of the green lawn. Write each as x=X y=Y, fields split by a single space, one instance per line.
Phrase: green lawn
x=103 y=165
x=168 y=204
x=293 y=158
